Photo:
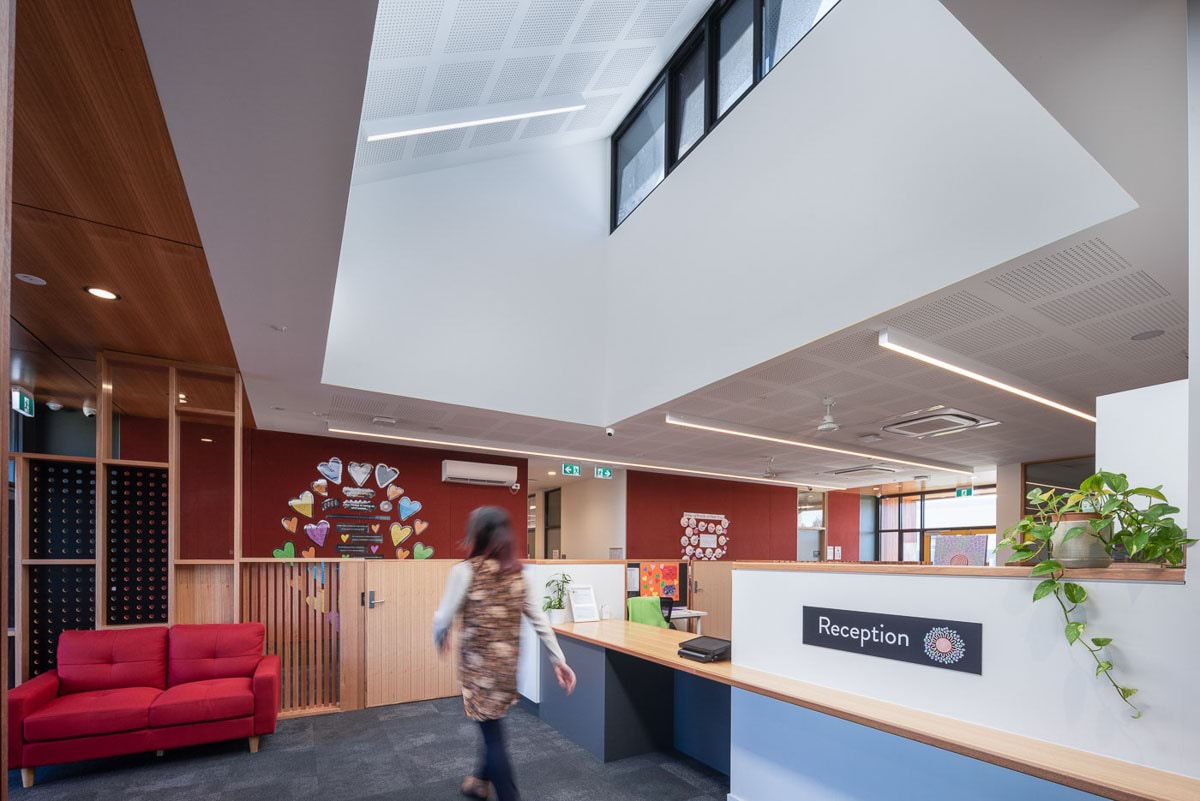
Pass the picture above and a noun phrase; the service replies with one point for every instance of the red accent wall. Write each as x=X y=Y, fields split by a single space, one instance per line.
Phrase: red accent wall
x=841 y=528
x=762 y=517
x=283 y=465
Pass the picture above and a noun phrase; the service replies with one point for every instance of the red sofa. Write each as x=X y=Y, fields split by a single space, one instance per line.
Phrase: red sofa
x=124 y=691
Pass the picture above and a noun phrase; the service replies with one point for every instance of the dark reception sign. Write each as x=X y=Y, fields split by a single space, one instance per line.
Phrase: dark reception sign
x=949 y=644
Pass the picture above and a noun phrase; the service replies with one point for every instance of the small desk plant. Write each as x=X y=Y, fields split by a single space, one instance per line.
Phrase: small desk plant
x=1087 y=529
x=555 y=604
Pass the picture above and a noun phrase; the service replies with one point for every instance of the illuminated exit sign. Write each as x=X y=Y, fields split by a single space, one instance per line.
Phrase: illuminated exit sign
x=22 y=401
x=571 y=470
x=603 y=472
x=964 y=492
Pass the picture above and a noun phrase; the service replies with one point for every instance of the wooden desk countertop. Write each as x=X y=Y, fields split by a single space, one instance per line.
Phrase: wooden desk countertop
x=1092 y=773
x=1120 y=571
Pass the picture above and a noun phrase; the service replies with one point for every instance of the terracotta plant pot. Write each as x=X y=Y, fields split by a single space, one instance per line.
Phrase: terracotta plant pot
x=1086 y=550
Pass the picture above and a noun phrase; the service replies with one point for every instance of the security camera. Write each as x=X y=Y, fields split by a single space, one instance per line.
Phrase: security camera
x=608 y=432
x=89 y=409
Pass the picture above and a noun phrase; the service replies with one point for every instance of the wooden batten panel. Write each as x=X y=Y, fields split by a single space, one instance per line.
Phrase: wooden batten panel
x=204 y=594
x=7 y=46
x=352 y=654
x=713 y=593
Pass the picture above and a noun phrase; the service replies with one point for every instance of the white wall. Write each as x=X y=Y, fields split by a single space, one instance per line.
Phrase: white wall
x=593 y=517
x=1142 y=433
x=1010 y=504
x=608 y=581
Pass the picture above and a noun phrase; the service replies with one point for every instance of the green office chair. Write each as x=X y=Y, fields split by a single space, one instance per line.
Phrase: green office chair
x=647 y=610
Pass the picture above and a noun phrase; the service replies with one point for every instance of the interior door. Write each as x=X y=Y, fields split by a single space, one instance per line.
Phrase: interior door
x=402 y=663
x=712 y=592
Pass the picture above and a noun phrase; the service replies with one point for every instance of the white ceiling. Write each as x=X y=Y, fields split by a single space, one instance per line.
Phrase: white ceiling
x=272 y=234
x=431 y=56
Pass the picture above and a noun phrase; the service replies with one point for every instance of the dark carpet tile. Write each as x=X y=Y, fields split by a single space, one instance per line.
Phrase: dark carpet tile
x=413 y=752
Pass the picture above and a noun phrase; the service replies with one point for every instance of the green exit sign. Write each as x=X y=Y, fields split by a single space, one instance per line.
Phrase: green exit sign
x=964 y=492
x=22 y=401
x=571 y=470
x=603 y=472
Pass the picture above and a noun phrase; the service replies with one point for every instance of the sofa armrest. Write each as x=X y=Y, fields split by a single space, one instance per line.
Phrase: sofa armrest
x=23 y=701
x=267 y=698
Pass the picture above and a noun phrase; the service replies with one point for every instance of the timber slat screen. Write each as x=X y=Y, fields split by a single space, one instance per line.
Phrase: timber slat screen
x=299 y=605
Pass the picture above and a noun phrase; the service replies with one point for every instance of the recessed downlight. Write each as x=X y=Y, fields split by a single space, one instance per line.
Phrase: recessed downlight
x=102 y=293
x=1153 y=333
x=551 y=473
x=206 y=439
x=30 y=279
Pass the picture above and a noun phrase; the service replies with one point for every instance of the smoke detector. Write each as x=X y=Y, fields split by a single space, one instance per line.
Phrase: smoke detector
x=827 y=422
x=54 y=406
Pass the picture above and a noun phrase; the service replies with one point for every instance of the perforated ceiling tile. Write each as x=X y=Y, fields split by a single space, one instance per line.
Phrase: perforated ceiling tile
x=370 y=154
x=622 y=68
x=574 y=72
x=597 y=111
x=459 y=85
x=605 y=20
x=360 y=404
x=543 y=126
x=989 y=335
x=735 y=391
x=1113 y=295
x=496 y=134
x=1020 y=356
x=432 y=144
x=546 y=23
x=1066 y=366
x=944 y=314
x=1078 y=264
x=392 y=92
x=480 y=25
x=1174 y=341
x=656 y=19
x=405 y=28
x=788 y=371
x=849 y=348
x=1148 y=318
x=520 y=78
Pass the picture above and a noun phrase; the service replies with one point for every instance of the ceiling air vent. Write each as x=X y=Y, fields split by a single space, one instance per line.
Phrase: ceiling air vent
x=934 y=423
x=864 y=471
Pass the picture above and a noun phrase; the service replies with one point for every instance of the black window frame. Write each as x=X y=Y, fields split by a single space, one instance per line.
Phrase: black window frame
x=704 y=34
x=921 y=530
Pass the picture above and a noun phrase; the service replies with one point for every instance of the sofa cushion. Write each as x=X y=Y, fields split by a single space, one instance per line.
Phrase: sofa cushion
x=90 y=713
x=200 y=701
x=112 y=658
x=214 y=651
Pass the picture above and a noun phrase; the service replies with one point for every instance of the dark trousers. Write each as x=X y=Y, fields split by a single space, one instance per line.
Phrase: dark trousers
x=493 y=761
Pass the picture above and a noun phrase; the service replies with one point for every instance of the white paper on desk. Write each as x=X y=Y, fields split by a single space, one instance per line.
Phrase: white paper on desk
x=631 y=580
x=708 y=541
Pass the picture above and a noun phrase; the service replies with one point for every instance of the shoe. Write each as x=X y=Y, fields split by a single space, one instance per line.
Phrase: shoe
x=473 y=787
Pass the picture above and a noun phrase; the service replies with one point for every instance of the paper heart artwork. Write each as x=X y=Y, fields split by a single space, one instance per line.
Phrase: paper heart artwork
x=374 y=528
x=420 y=525
x=289 y=523
x=360 y=472
x=408 y=507
x=317 y=532
x=400 y=533
x=394 y=492
x=332 y=470
x=385 y=475
x=422 y=551
x=310 y=552
x=303 y=504
x=320 y=486
x=288 y=551
x=374 y=549
x=317 y=602
x=345 y=538
x=402 y=553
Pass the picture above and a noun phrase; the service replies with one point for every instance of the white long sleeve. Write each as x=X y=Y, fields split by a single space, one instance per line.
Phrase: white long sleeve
x=541 y=624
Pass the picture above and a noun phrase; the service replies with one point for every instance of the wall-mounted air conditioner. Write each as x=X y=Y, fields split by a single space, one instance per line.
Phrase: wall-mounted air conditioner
x=492 y=475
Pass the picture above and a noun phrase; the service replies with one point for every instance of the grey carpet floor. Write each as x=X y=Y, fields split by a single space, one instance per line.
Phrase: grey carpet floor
x=413 y=751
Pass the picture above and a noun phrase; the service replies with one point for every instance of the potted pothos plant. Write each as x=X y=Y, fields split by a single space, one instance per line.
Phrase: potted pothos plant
x=555 y=604
x=1106 y=517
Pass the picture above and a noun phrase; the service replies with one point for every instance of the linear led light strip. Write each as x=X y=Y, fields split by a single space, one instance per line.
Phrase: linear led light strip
x=878 y=457
x=588 y=459
x=886 y=342
x=450 y=126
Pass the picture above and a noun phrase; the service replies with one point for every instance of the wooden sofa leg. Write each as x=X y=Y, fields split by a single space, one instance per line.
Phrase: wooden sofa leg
x=254 y=744
x=27 y=777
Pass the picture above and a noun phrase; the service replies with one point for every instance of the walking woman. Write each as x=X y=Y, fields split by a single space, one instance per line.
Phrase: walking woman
x=490 y=593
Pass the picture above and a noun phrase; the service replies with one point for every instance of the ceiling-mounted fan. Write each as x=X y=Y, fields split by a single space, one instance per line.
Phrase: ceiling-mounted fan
x=827 y=422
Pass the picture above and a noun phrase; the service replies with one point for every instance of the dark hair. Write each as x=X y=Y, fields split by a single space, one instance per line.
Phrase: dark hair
x=490 y=535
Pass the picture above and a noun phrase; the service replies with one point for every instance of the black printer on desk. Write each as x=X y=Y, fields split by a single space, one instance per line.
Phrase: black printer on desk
x=705 y=649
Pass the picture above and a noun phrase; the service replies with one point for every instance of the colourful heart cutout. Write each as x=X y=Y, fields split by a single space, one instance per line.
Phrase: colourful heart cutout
x=422 y=551
x=288 y=551
x=402 y=553
x=320 y=486
x=310 y=552
x=317 y=532
x=289 y=523
x=400 y=533
x=408 y=507
x=360 y=472
x=374 y=528
x=420 y=525
x=394 y=492
x=385 y=475
x=303 y=504
x=332 y=470
x=345 y=538
x=374 y=549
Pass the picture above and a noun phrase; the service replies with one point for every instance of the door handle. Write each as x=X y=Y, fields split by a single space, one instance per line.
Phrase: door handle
x=372 y=602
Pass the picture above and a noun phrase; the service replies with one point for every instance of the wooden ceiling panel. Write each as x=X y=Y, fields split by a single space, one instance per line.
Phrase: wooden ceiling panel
x=168 y=305
x=89 y=137
x=37 y=369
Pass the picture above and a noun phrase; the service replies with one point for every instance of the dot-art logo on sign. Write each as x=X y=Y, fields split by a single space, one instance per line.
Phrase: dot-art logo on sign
x=944 y=646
